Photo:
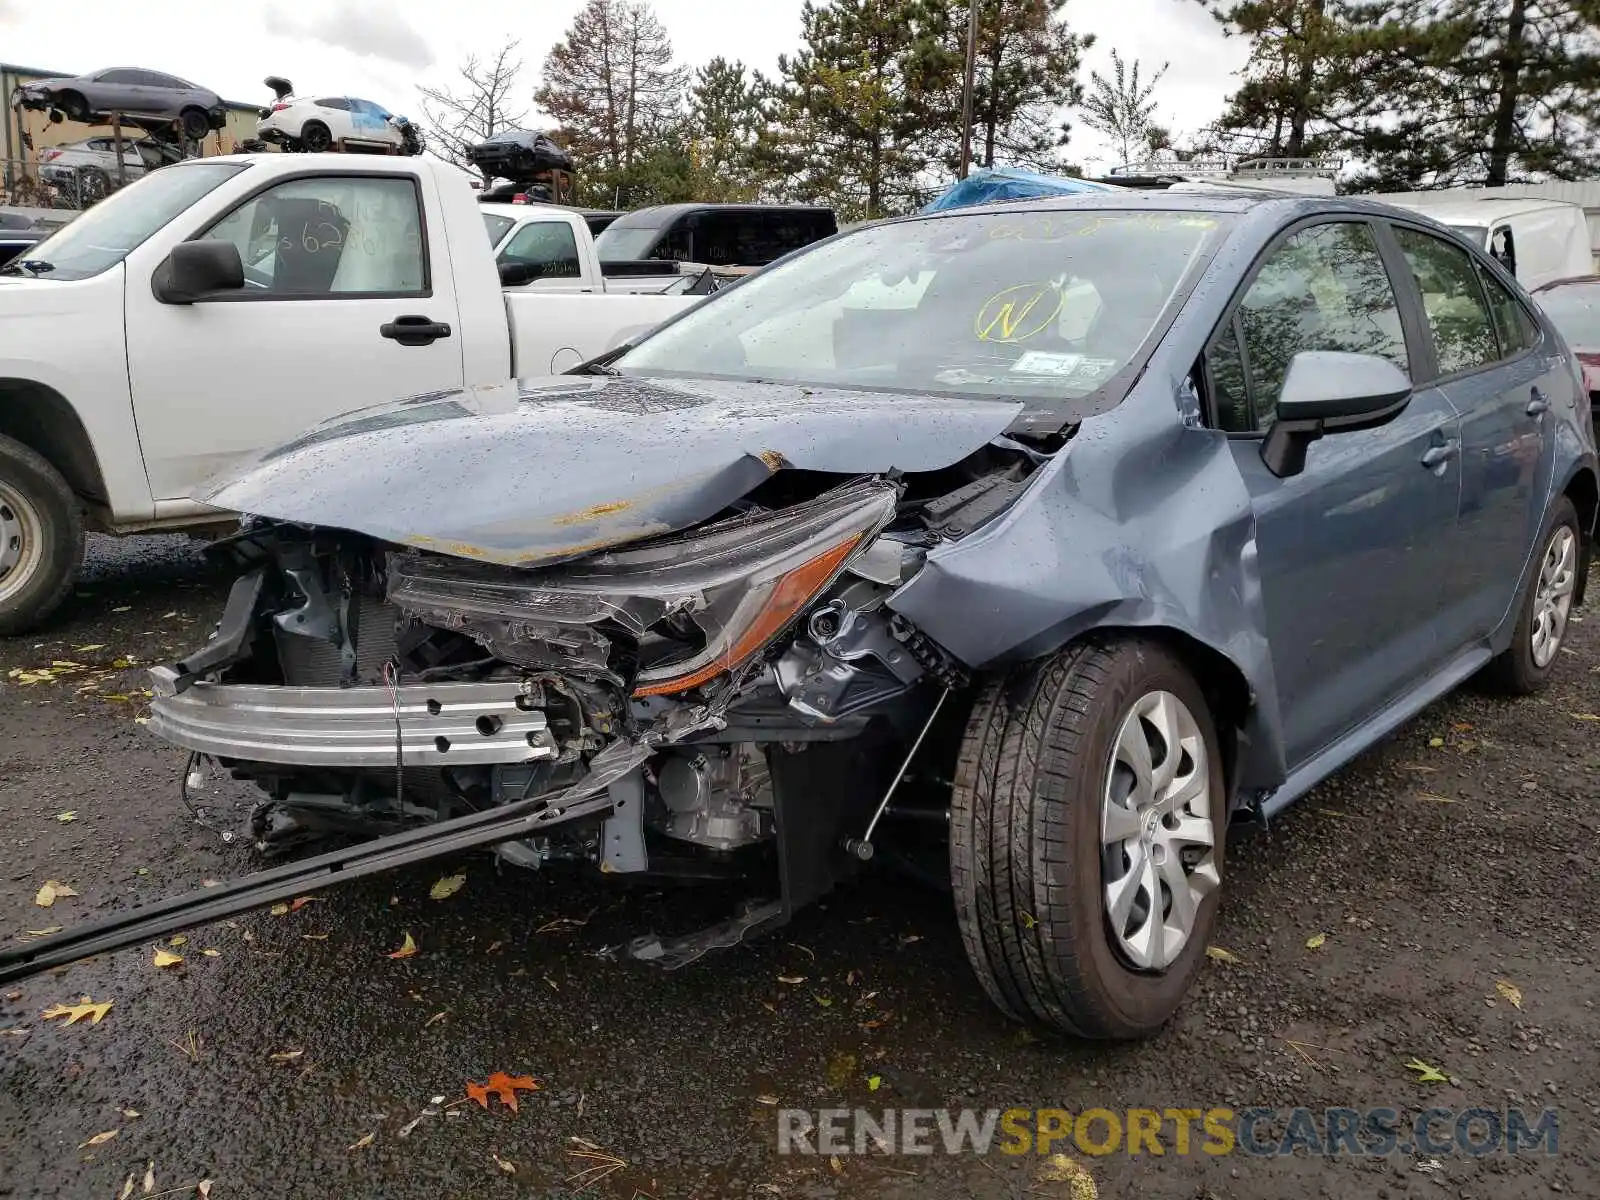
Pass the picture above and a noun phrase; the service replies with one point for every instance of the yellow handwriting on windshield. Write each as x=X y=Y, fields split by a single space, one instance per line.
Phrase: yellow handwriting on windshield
x=1017 y=313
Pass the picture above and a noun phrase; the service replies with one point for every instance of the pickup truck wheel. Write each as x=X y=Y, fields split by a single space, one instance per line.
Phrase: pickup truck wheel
x=1086 y=838
x=41 y=537
x=1526 y=665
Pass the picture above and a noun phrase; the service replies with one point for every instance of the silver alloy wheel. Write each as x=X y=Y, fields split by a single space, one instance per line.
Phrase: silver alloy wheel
x=1552 y=600
x=21 y=541
x=1157 y=841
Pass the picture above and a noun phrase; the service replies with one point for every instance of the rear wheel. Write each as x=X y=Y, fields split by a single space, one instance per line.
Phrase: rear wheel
x=74 y=106
x=41 y=537
x=314 y=136
x=1526 y=665
x=195 y=124
x=1086 y=839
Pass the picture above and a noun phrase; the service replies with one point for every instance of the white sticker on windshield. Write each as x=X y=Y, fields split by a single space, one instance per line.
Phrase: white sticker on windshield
x=1041 y=362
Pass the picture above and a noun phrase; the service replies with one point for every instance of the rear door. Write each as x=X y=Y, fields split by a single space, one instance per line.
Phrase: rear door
x=332 y=262
x=1488 y=357
x=1352 y=550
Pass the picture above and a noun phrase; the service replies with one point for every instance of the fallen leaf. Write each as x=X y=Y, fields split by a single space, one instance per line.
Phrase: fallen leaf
x=874 y=1082
x=447 y=887
x=127 y=1187
x=1314 y=942
x=1426 y=1073
x=769 y=1101
x=51 y=892
x=791 y=978
x=67 y=817
x=87 y=649
x=131 y=1113
x=502 y=1085
x=285 y=1055
x=437 y=1017
x=362 y=1142
x=407 y=948
x=279 y=910
x=1585 y=716
x=77 y=1012
x=315 y=937
x=1435 y=797
x=1059 y=1168
x=203 y=1189
x=124 y=608
x=166 y=958
x=100 y=1139
x=1436 y=742
x=1028 y=920
x=825 y=1001
x=45 y=932
x=1510 y=992
x=149 y=1176
x=178 y=940
x=300 y=902
x=1221 y=955
x=502 y=1164
x=210 y=953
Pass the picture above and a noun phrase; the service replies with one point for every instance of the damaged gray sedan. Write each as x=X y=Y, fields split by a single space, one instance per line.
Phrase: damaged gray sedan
x=1076 y=528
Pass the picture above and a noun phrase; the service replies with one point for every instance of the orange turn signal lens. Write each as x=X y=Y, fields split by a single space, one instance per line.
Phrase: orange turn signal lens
x=792 y=593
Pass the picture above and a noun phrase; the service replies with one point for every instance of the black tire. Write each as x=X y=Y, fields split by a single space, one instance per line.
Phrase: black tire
x=315 y=138
x=37 y=501
x=195 y=123
x=93 y=185
x=1025 y=840
x=1516 y=671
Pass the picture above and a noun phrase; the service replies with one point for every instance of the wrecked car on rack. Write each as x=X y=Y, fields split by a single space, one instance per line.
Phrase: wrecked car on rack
x=1105 y=518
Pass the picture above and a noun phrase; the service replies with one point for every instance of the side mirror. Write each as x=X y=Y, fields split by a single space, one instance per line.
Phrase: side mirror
x=195 y=270
x=1329 y=391
x=515 y=274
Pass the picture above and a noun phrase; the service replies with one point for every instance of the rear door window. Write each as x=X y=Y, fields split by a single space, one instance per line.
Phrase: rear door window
x=1512 y=324
x=1457 y=312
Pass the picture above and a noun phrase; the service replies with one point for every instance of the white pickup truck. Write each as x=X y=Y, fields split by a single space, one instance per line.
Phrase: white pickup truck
x=224 y=305
x=545 y=248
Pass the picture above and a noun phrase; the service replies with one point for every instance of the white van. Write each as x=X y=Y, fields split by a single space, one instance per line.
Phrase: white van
x=1537 y=240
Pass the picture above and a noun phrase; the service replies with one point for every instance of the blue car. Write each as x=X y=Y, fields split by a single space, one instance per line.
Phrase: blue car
x=1079 y=527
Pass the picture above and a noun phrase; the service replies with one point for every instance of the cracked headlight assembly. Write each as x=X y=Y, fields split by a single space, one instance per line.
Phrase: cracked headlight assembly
x=701 y=603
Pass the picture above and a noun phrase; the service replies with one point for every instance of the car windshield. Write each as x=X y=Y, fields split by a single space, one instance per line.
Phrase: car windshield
x=626 y=238
x=1478 y=235
x=1041 y=306
x=1575 y=309
x=496 y=226
x=111 y=230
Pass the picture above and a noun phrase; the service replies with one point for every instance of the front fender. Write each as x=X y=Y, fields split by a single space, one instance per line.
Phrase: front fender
x=1139 y=523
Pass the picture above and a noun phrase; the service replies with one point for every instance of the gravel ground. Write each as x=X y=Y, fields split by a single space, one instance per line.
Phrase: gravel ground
x=290 y=1063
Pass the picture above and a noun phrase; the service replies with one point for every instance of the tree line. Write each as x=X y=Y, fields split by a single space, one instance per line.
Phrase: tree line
x=866 y=113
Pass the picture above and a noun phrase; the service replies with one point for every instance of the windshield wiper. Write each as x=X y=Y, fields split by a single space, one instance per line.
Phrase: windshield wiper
x=35 y=266
x=601 y=363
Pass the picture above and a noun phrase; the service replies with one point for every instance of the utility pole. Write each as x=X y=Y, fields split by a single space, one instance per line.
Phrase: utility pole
x=966 y=90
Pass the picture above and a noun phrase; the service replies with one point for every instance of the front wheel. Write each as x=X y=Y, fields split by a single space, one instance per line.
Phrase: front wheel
x=1086 y=842
x=41 y=537
x=315 y=137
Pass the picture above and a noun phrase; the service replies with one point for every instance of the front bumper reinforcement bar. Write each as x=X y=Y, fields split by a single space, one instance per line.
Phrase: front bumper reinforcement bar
x=589 y=797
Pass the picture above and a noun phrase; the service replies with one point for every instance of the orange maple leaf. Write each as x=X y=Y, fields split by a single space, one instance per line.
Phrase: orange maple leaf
x=502 y=1085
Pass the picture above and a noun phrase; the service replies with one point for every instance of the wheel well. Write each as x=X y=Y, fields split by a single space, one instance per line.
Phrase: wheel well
x=41 y=419
x=1224 y=684
x=1585 y=496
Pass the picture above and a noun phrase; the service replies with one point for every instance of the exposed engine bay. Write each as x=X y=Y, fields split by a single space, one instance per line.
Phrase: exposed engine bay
x=745 y=685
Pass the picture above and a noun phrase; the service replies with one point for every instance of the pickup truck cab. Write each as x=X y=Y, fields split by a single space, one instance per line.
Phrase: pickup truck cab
x=223 y=305
x=1537 y=240
x=546 y=248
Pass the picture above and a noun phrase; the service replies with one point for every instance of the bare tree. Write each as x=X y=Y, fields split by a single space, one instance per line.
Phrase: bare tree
x=1121 y=107
x=612 y=86
x=480 y=109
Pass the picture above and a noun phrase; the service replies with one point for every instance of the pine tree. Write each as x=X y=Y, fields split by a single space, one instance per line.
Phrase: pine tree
x=845 y=116
x=1122 y=108
x=1026 y=71
x=614 y=90
x=726 y=120
x=1474 y=91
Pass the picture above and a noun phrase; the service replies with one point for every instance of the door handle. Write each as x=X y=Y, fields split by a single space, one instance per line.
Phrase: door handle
x=414 y=331
x=1437 y=456
x=1538 y=403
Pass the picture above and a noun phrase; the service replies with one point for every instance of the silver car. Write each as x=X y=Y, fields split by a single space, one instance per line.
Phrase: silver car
x=127 y=91
x=91 y=164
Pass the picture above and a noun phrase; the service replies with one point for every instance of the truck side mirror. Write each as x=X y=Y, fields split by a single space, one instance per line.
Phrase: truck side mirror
x=197 y=269
x=515 y=274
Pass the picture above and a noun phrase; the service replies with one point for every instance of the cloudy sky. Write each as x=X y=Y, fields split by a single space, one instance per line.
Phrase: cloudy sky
x=382 y=49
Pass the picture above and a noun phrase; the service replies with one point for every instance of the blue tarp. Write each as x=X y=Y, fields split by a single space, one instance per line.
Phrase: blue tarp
x=1009 y=183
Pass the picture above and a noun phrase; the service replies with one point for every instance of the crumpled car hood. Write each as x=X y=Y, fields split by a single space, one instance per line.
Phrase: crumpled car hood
x=542 y=470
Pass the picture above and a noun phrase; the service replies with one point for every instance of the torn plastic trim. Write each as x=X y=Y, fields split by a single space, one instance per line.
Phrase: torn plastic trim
x=433 y=724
